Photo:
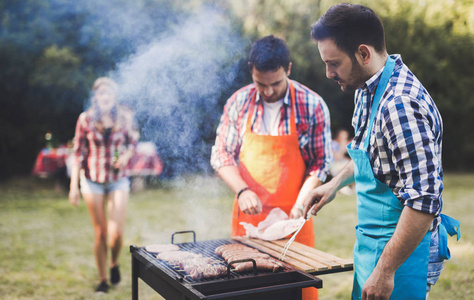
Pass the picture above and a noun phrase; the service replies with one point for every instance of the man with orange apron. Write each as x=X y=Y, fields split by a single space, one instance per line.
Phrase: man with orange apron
x=401 y=237
x=273 y=143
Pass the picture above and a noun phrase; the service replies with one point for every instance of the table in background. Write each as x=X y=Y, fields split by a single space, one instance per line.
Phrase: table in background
x=56 y=162
x=50 y=162
x=144 y=163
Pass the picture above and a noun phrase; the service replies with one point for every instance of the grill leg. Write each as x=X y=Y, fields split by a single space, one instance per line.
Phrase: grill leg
x=134 y=278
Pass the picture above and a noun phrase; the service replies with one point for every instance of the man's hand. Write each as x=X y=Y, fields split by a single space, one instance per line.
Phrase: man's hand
x=296 y=212
x=379 y=286
x=325 y=193
x=411 y=228
x=319 y=197
x=249 y=203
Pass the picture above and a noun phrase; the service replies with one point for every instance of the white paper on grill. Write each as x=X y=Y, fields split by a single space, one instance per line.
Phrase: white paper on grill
x=276 y=225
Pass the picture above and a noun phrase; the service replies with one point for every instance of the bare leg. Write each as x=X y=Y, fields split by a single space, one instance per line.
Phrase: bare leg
x=117 y=205
x=96 y=206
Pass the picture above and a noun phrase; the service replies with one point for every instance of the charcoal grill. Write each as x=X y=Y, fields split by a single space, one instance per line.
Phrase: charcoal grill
x=172 y=283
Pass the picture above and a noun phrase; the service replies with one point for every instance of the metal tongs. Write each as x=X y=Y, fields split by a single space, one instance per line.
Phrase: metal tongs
x=292 y=239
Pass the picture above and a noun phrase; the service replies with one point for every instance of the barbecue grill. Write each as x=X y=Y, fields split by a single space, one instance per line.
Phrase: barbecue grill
x=172 y=283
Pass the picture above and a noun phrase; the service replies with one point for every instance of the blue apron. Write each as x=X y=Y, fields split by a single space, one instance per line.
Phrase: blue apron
x=378 y=211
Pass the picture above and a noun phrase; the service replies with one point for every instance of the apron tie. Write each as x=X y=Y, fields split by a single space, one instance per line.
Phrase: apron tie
x=448 y=226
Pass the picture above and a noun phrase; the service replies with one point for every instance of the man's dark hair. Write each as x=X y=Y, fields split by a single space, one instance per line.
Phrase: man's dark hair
x=350 y=25
x=269 y=54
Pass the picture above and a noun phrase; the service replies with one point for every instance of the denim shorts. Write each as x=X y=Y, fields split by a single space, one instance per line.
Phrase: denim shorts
x=435 y=265
x=91 y=187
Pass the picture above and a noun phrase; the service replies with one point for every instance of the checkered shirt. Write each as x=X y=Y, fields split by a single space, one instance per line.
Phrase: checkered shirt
x=406 y=140
x=312 y=126
x=95 y=155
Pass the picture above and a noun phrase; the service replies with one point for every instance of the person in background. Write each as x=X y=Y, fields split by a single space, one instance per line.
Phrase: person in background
x=273 y=143
x=341 y=157
x=401 y=237
x=104 y=142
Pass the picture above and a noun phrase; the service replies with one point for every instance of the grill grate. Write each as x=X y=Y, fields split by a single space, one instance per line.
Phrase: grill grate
x=172 y=283
x=205 y=248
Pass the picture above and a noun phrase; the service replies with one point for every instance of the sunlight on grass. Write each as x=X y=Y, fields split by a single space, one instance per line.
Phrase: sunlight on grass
x=47 y=243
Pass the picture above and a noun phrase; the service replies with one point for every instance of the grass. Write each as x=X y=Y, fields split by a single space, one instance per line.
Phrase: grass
x=46 y=244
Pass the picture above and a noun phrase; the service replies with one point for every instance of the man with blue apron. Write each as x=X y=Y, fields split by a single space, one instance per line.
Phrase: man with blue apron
x=401 y=237
x=378 y=211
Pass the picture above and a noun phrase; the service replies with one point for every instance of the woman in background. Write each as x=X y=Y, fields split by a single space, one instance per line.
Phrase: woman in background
x=104 y=142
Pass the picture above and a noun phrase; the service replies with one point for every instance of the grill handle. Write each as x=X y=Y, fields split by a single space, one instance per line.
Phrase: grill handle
x=240 y=261
x=186 y=231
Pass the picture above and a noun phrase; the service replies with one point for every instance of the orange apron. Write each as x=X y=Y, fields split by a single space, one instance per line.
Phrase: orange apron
x=272 y=166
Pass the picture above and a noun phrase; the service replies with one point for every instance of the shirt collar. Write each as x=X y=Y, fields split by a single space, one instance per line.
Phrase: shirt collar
x=373 y=81
x=286 y=99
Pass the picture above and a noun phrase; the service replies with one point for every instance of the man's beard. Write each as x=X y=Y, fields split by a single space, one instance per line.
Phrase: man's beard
x=357 y=77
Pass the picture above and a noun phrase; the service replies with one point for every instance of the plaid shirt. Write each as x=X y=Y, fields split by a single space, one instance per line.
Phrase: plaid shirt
x=312 y=126
x=406 y=139
x=95 y=155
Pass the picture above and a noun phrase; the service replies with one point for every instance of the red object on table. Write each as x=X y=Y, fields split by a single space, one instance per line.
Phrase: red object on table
x=49 y=160
x=145 y=162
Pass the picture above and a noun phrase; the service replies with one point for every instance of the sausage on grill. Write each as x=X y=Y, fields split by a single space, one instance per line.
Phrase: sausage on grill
x=219 y=250
x=234 y=252
x=245 y=255
x=245 y=251
x=262 y=265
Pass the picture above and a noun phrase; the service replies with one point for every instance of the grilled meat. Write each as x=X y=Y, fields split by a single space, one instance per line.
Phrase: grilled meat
x=158 y=248
x=234 y=252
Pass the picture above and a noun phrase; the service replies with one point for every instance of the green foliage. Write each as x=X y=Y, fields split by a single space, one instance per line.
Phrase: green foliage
x=291 y=21
x=56 y=68
x=51 y=51
x=435 y=39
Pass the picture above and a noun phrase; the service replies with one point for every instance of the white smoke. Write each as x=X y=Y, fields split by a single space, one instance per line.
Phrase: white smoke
x=174 y=84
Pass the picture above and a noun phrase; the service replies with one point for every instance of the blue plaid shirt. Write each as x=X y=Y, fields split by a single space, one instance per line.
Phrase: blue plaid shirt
x=406 y=139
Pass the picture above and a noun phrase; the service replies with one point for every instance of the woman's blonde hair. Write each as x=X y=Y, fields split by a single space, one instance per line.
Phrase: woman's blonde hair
x=104 y=81
x=94 y=110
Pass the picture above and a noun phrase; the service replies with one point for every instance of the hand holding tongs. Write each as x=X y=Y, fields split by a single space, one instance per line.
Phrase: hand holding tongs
x=292 y=239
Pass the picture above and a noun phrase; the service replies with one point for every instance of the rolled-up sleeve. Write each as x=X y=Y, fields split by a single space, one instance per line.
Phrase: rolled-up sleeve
x=79 y=141
x=227 y=146
x=413 y=133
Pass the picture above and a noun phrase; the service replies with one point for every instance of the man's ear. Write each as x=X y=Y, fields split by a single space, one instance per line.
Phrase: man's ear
x=289 y=70
x=364 y=54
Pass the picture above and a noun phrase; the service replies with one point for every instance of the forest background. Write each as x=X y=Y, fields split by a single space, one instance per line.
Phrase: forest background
x=177 y=62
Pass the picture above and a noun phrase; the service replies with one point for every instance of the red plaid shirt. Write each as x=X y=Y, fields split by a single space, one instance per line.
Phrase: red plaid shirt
x=96 y=155
x=312 y=126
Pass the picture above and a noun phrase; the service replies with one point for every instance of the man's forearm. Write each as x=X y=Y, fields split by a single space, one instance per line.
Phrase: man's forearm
x=231 y=176
x=411 y=228
x=345 y=176
x=310 y=183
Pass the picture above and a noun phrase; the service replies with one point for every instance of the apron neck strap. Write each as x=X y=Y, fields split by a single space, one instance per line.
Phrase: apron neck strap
x=384 y=79
x=292 y=103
